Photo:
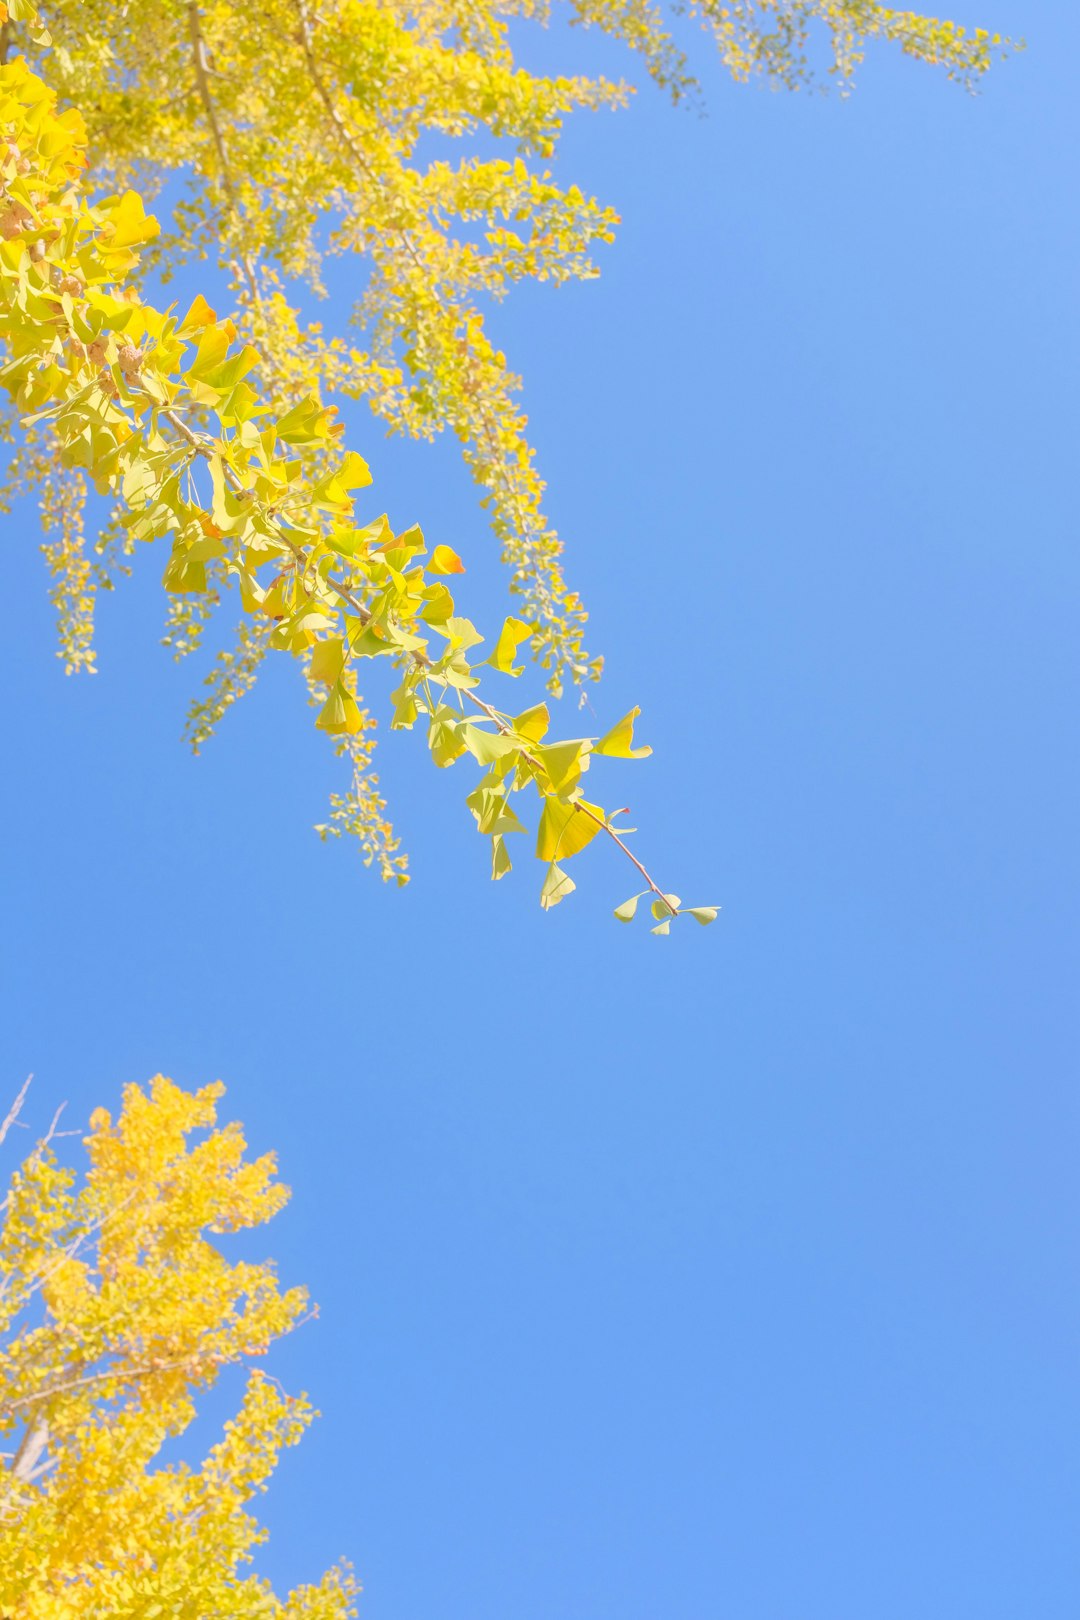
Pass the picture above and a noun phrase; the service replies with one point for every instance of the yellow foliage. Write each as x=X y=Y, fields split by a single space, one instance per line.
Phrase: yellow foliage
x=305 y=134
x=151 y=406
x=117 y=1307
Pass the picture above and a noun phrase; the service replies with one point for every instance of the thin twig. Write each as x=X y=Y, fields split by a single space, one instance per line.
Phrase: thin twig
x=50 y=1136
x=13 y=1111
x=51 y=1132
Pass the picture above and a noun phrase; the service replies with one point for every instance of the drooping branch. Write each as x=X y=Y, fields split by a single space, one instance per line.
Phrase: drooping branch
x=421 y=662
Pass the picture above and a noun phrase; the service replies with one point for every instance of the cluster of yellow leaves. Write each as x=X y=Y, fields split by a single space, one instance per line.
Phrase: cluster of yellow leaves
x=408 y=136
x=774 y=37
x=116 y=1309
x=303 y=132
x=314 y=117
x=258 y=498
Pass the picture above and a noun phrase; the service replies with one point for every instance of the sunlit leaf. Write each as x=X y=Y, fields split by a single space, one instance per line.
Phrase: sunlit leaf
x=565 y=828
x=557 y=885
x=444 y=560
x=513 y=633
x=618 y=742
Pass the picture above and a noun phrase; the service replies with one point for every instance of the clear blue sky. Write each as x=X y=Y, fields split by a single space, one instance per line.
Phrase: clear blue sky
x=732 y=1275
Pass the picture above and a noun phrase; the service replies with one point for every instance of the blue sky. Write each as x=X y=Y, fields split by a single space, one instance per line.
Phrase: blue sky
x=733 y=1274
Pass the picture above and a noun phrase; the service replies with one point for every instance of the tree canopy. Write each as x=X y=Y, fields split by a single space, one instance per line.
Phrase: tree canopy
x=410 y=137
x=305 y=133
x=119 y=1306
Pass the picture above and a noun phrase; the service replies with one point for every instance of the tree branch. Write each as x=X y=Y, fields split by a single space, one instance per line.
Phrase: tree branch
x=13 y=1111
x=365 y=616
x=33 y=1443
x=202 y=79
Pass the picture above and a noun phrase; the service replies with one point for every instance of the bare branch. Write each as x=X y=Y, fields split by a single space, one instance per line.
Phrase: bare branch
x=13 y=1111
x=33 y=1443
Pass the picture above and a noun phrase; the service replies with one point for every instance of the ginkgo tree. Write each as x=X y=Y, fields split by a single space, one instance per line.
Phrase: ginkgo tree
x=119 y=1307
x=303 y=131
x=412 y=136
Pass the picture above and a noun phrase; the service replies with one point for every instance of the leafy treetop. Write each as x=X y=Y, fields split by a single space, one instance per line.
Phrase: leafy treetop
x=118 y=1307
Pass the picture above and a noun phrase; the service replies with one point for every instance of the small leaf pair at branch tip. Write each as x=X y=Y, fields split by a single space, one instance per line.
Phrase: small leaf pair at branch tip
x=665 y=909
